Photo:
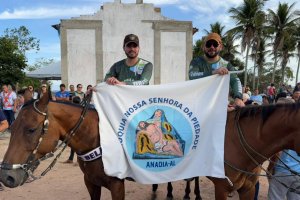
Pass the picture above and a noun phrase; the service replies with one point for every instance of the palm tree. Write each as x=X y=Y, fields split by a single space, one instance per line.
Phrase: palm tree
x=285 y=53
x=282 y=23
x=259 y=36
x=298 y=51
x=229 y=48
x=246 y=17
x=216 y=28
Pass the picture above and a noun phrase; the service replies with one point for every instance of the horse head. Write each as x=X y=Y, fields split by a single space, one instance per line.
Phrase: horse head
x=29 y=141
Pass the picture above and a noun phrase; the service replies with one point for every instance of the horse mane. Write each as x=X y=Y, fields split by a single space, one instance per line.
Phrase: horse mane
x=265 y=111
x=59 y=102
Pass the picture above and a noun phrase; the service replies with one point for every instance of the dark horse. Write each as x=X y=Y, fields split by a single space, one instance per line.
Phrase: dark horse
x=250 y=133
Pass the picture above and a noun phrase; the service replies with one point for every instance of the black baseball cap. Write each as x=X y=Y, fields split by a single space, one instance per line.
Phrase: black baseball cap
x=131 y=38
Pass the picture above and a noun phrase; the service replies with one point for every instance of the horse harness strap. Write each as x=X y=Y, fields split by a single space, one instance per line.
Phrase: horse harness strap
x=70 y=134
x=92 y=155
x=244 y=144
x=31 y=164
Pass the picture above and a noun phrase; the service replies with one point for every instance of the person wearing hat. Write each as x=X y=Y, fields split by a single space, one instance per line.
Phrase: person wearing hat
x=211 y=63
x=132 y=70
x=43 y=90
x=62 y=95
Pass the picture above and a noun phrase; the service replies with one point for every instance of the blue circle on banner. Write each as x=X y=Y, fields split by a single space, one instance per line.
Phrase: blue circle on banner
x=142 y=143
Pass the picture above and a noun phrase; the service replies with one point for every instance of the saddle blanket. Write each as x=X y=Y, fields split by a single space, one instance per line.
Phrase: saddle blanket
x=162 y=133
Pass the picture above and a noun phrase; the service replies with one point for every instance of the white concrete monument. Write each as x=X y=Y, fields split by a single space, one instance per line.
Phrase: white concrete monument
x=90 y=44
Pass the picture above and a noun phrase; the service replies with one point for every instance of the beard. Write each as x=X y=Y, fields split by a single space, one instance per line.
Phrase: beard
x=131 y=54
x=212 y=54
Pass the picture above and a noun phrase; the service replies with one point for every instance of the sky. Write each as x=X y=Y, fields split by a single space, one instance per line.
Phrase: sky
x=39 y=15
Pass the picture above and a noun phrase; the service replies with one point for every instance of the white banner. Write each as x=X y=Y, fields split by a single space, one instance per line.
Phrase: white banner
x=162 y=133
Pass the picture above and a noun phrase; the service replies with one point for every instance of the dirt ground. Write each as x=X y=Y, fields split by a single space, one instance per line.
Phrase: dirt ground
x=65 y=181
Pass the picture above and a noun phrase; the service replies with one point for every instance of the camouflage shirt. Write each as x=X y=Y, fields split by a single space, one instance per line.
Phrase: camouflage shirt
x=139 y=74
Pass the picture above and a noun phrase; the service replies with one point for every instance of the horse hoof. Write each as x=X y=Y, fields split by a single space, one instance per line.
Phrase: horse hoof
x=153 y=196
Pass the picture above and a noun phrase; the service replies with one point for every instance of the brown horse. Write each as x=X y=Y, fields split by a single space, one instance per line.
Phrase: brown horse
x=40 y=125
x=28 y=129
x=253 y=134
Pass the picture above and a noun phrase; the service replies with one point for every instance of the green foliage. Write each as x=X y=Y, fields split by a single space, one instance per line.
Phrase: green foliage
x=13 y=47
x=22 y=39
x=12 y=62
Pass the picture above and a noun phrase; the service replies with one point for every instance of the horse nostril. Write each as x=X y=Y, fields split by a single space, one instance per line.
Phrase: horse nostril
x=10 y=180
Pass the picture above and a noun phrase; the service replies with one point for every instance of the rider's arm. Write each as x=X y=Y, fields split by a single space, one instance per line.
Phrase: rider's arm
x=235 y=83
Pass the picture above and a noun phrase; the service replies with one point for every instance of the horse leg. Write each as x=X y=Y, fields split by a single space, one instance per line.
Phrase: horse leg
x=117 y=189
x=94 y=190
x=197 y=189
x=248 y=193
x=154 y=187
x=221 y=192
x=170 y=189
x=187 y=189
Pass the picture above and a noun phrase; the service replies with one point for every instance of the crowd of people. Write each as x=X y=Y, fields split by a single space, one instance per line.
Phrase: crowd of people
x=136 y=71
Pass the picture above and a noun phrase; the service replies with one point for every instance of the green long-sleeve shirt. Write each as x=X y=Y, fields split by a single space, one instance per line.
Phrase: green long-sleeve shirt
x=139 y=74
x=200 y=68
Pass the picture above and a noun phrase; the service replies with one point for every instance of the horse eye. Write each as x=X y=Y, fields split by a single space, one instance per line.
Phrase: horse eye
x=32 y=130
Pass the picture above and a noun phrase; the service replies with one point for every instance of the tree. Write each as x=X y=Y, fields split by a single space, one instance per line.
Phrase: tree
x=14 y=45
x=12 y=62
x=216 y=28
x=246 y=17
x=23 y=40
x=281 y=23
x=285 y=53
x=197 y=48
x=298 y=51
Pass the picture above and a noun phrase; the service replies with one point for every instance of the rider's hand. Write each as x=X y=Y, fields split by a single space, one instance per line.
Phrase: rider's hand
x=114 y=81
x=221 y=71
x=239 y=102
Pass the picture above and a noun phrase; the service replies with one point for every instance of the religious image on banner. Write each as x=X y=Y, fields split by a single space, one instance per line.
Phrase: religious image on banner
x=156 y=137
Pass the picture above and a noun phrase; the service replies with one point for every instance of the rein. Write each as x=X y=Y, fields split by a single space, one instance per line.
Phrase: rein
x=32 y=164
x=245 y=145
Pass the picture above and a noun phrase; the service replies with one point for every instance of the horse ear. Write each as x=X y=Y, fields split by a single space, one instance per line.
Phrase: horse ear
x=27 y=95
x=45 y=98
x=43 y=102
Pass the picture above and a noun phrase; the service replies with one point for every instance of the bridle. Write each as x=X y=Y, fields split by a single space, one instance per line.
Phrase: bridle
x=32 y=163
x=248 y=149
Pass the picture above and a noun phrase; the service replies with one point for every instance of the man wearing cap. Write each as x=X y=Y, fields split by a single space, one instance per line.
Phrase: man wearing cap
x=132 y=70
x=211 y=63
x=62 y=95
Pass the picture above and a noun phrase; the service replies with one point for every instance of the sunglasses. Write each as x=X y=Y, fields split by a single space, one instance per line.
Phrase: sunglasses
x=30 y=88
x=211 y=42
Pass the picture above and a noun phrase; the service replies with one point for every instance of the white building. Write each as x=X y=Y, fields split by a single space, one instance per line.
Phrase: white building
x=90 y=44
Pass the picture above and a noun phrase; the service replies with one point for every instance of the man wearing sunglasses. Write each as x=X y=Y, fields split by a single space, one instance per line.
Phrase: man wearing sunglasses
x=132 y=70
x=211 y=63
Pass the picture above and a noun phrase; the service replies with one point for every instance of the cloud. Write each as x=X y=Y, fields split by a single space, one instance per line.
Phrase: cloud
x=43 y=13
